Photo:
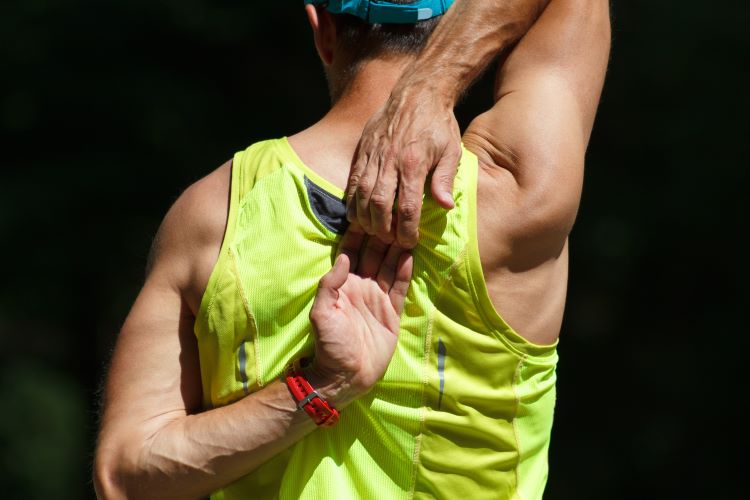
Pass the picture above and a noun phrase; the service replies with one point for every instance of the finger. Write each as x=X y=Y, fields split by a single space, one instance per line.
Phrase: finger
x=372 y=257
x=381 y=201
x=410 y=191
x=359 y=164
x=387 y=271
x=442 y=179
x=351 y=243
x=401 y=282
x=364 y=191
x=332 y=281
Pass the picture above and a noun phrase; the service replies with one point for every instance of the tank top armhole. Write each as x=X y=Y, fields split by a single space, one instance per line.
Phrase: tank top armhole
x=480 y=294
x=235 y=184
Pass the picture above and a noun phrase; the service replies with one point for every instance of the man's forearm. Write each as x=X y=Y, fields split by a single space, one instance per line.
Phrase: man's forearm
x=416 y=131
x=470 y=35
x=195 y=455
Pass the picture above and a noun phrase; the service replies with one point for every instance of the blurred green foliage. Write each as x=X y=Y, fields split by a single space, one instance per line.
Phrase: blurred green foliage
x=42 y=432
x=109 y=109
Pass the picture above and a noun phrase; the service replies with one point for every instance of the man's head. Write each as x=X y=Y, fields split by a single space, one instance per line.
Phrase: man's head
x=345 y=42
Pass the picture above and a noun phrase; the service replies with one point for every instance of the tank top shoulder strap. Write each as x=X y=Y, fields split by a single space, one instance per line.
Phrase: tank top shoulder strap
x=254 y=163
x=465 y=187
x=480 y=294
x=248 y=167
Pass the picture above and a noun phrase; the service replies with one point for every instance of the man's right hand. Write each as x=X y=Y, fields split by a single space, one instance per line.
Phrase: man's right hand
x=356 y=320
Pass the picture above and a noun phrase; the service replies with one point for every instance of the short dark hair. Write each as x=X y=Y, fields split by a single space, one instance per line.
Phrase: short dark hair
x=368 y=41
x=359 y=41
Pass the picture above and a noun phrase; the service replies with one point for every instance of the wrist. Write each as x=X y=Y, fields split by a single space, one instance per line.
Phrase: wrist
x=417 y=88
x=334 y=388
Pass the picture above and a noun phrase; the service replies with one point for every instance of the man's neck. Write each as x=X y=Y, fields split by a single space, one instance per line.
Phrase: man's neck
x=367 y=92
x=328 y=145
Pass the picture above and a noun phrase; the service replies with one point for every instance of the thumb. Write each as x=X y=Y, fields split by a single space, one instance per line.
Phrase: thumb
x=333 y=280
x=442 y=180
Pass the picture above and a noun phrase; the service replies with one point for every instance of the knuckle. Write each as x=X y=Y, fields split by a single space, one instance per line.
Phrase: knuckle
x=385 y=235
x=445 y=178
x=408 y=211
x=315 y=315
x=390 y=155
x=363 y=187
x=350 y=201
x=411 y=159
x=380 y=201
x=408 y=240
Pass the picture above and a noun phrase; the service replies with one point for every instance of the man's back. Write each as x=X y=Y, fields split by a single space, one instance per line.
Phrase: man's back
x=461 y=384
x=508 y=268
x=185 y=416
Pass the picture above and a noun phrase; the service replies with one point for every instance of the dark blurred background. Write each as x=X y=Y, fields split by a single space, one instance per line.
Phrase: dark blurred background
x=109 y=109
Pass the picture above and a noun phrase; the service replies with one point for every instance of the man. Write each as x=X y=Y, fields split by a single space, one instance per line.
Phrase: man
x=449 y=400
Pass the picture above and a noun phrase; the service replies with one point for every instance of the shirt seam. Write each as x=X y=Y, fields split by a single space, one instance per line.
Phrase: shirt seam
x=516 y=378
x=251 y=320
x=425 y=370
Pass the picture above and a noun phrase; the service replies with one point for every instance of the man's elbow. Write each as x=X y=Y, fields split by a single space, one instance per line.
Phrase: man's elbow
x=107 y=476
x=118 y=472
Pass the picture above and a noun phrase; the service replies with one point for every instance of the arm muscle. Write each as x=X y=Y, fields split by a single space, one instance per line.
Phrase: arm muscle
x=547 y=92
x=154 y=441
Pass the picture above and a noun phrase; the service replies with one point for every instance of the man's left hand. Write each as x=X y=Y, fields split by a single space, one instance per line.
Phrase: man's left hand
x=414 y=133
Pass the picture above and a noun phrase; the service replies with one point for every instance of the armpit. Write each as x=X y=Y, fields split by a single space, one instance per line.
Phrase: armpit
x=493 y=153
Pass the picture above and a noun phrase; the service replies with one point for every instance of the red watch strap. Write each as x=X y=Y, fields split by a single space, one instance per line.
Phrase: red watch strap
x=308 y=399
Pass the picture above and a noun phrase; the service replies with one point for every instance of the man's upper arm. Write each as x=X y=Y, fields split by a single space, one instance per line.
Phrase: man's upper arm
x=155 y=374
x=547 y=92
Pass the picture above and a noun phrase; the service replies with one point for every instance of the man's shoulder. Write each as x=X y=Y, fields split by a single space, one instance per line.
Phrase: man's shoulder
x=200 y=213
x=189 y=239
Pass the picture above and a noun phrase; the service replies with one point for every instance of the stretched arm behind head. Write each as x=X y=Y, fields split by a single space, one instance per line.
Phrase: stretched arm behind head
x=416 y=130
x=531 y=146
x=547 y=93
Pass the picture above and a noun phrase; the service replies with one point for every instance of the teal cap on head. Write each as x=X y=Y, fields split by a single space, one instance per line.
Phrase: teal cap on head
x=384 y=12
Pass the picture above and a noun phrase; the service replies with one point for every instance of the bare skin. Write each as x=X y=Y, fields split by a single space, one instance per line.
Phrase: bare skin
x=156 y=442
x=531 y=145
x=416 y=131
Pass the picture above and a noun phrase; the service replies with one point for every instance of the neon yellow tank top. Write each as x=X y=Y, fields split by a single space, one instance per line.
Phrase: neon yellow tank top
x=465 y=406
